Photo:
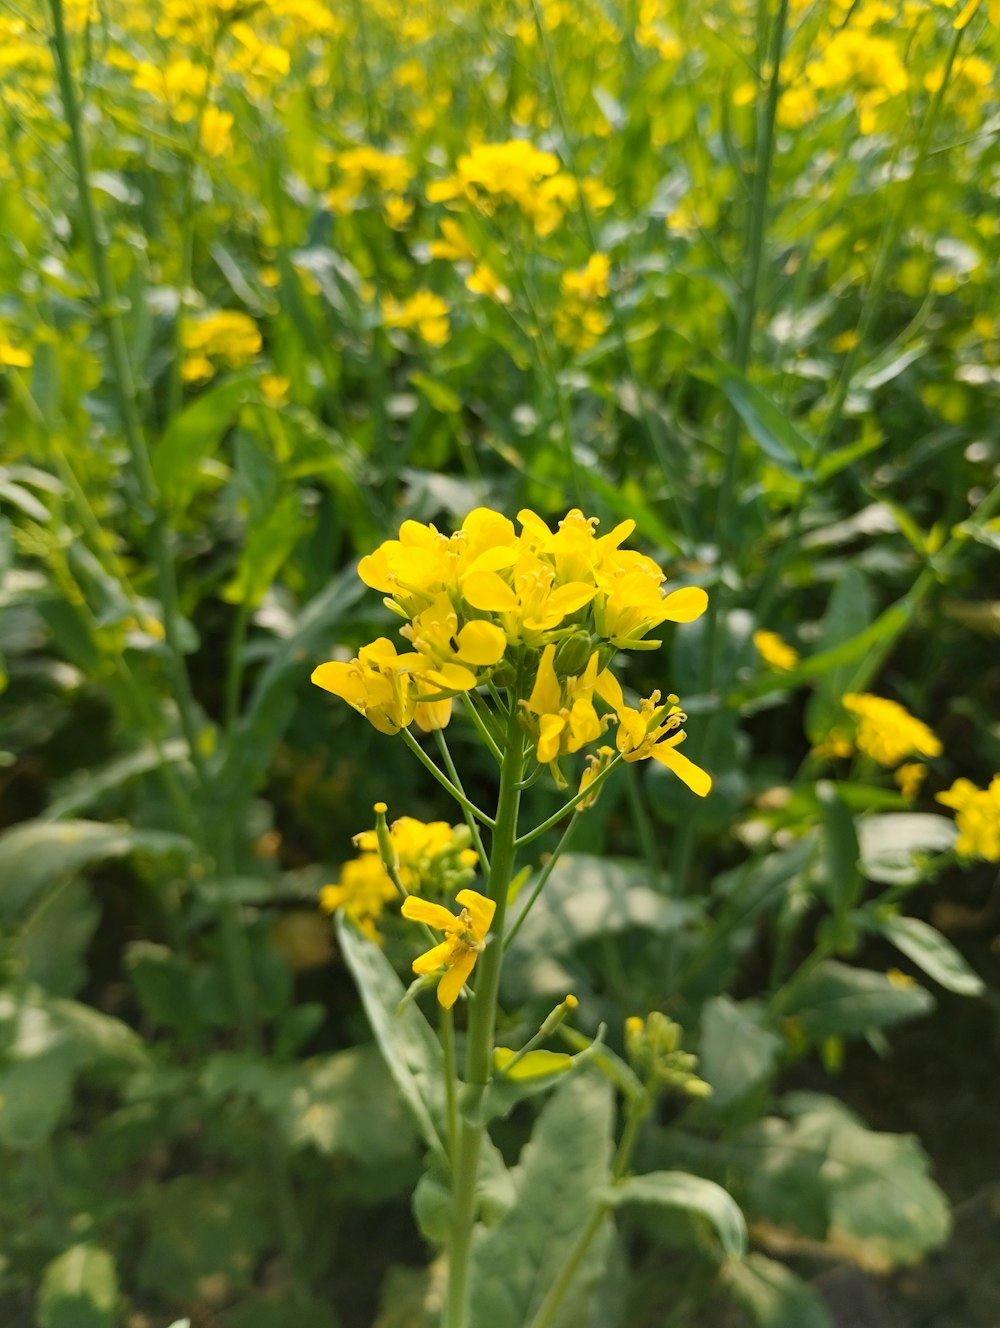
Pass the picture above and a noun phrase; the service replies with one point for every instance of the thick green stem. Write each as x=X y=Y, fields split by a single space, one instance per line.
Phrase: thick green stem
x=482 y=1026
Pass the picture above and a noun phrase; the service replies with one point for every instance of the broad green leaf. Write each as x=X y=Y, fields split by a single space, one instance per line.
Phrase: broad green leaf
x=693 y=1194
x=893 y=846
x=737 y=1050
x=823 y=1174
x=836 y=999
x=194 y=435
x=586 y=897
x=563 y=1171
x=79 y=1290
x=408 y=1043
x=928 y=949
x=36 y=853
x=439 y=394
x=772 y=1294
x=79 y=793
x=45 y=1042
x=205 y=1226
x=53 y=941
x=165 y=983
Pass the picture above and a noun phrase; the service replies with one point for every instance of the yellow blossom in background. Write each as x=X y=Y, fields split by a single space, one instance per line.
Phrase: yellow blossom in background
x=886 y=731
x=424 y=313
x=577 y=323
x=13 y=357
x=362 y=891
x=225 y=334
x=869 y=67
x=274 y=389
x=977 y=818
x=484 y=281
x=909 y=777
x=215 y=135
x=513 y=172
x=465 y=939
x=397 y=212
x=429 y=855
x=453 y=245
x=776 y=653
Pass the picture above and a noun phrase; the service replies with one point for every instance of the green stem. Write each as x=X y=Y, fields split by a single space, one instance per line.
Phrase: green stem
x=539 y=886
x=470 y=820
x=482 y=1027
x=234 y=666
x=443 y=779
x=579 y=796
x=124 y=385
x=447 y=1025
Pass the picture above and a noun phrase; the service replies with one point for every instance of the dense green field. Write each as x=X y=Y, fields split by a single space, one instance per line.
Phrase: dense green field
x=600 y=399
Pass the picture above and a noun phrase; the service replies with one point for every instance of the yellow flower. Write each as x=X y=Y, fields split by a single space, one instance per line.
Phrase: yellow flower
x=427 y=855
x=887 y=732
x=12 y=357
x=484 y=281
x=453 y=244
x=465 y=939
x=775 y=652
x=590 y=282
x=215 y=136
x=654 y=730
x=397 y=212
x=977 y=818
x=362 y=891
x=225 y=334
x=909 y=777
x=376 y=684
x=425 y=313
x=564 y=709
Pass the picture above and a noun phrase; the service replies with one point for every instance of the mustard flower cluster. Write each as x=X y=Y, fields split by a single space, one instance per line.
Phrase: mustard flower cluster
x=430 y=856
x=977 y=816
x=539 y=613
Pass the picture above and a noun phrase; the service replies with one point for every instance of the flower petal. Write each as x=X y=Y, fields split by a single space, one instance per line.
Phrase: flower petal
x=422 y=910
x=698 y=781
x=481 y=910
x=481 y=643
x=454 y=980
x=684 y=605
x=433 y=959
x=488 y=592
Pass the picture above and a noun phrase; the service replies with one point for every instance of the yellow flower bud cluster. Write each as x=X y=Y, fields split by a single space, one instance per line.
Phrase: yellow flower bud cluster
x=653 y=1047
x=432 y=857
x=540 y=613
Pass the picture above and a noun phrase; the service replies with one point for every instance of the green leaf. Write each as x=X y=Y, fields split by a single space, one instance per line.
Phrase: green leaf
x=407 y=1041
x=204 y=1226
x=439 y=394
x=840 y=841
x=533 y=1065
x=165 y=984
x=194 y=435
x=272 y=701
x=836 y=999
x=848 y=614
x=45 y=1042
x=928 y=949
x=586 y=897
x=769 y=427
x=265 y=551
x=737 y=1051
x=54 y=940
x=693 y=1194
x=893 y=846
x=342 y=1105
x=36 y=853
x=79 y=1290
x=772 y=1294
x=825 y=1175
x=563 y=1171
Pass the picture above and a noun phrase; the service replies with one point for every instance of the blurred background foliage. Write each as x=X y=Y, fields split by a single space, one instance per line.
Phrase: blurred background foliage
x=275 y=278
